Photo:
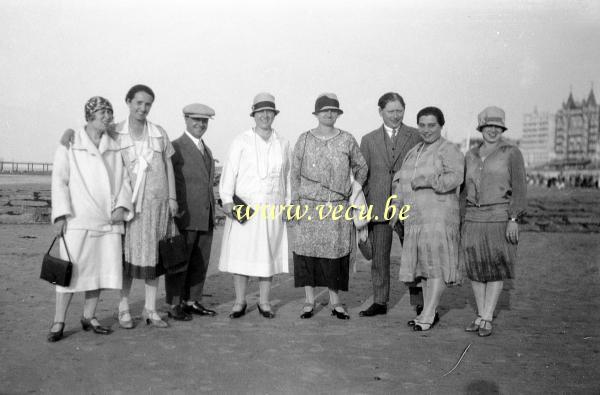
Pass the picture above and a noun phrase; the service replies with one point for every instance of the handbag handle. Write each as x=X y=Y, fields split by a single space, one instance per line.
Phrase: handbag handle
x=171 y=226
x=64 y=242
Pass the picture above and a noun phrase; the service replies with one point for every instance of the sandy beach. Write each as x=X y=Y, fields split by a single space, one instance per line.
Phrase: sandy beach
x=546 y=334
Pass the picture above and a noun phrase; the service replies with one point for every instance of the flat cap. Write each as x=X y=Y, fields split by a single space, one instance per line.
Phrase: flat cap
x=197 y=110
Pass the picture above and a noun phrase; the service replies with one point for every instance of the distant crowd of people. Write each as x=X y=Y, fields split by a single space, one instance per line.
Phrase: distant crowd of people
x=560 y=181
x=119 y=189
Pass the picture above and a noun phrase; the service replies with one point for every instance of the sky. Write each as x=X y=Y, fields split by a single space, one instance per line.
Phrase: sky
x=460 y=56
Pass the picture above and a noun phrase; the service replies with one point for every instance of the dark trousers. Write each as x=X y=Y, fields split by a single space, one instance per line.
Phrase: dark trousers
x=189 y=284
x=380 y=266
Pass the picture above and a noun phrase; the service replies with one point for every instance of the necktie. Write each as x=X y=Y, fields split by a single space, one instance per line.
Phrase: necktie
x=394 y=134
x=201 y=146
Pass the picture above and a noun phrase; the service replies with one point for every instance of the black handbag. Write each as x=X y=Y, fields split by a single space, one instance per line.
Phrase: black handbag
x=55 y=270
x=173 y=250
x=246 y=212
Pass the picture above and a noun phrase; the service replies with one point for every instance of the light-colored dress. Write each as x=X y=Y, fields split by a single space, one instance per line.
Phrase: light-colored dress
x=145 y=161
x=321 y=171
x=258 y=172
x=431 y=231
x=88 y=183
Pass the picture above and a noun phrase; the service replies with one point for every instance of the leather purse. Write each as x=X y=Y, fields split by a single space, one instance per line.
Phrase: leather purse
x=55 y=270
x=366 y=247
x=172 y=250
x=245 y=211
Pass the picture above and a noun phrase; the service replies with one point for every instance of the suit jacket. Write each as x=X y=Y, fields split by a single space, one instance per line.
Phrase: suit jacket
x=384 y=160
x=194 y=179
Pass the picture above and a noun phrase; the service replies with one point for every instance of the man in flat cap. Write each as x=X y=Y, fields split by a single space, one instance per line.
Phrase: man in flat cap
x=194 y=169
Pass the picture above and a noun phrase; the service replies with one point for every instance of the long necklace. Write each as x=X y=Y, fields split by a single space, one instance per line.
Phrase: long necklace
x=260 y=176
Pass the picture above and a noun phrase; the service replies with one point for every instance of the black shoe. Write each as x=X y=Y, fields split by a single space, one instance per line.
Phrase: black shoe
x=178 y=314
x=265 y=313
x=308 y=314
x=197 y=308
x=56 y=336
x=86 y=324
x=238 y=313
x=418 y=309
x=342 y=315
x=374 y=309
x=422 y=326
x=436 y=319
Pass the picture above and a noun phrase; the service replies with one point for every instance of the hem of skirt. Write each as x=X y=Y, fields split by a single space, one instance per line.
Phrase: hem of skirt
x=254 y=274
x=60 y=289
x=414 y=280
x=320 y=256
x=491 y=279
x=345 y=289
x=142 y=272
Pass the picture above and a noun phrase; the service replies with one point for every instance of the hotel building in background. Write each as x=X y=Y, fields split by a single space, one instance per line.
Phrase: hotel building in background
x=537 y=140
x=577 y=131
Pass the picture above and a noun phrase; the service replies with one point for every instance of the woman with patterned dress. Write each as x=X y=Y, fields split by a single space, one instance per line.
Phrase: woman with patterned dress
x=429 y=181
x=147 y=152
x=495 y=193
x=257 y=171
x=323 y=161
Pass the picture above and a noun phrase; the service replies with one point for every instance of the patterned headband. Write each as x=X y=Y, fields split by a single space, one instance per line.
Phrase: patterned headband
x=96 y=103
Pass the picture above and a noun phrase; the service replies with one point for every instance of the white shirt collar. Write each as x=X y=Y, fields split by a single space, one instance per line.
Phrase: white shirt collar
x=389 y=130
x=194 y=139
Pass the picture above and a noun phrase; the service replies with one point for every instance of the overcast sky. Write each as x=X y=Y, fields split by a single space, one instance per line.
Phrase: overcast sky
x=460 y=56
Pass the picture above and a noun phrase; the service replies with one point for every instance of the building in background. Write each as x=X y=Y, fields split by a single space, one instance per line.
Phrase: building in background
x=577 y=131
x=537 y=141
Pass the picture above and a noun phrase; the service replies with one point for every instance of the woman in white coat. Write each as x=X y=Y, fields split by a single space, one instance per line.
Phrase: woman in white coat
x=257 y=171
x=91 y=198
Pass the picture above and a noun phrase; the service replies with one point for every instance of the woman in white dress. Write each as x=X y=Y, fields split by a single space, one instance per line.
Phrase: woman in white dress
x=256 y=171
x=91 y=197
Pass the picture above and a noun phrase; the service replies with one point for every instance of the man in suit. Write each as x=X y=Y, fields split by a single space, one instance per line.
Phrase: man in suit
x=194 y=169
x=385 y=149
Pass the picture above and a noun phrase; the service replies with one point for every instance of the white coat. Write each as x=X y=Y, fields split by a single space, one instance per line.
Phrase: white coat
x=88 y=183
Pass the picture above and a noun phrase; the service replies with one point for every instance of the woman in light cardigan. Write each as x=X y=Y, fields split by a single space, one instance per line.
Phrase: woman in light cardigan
x=495 y=196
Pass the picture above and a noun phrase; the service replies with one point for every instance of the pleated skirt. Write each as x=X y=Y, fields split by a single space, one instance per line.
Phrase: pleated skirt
x=485 y=253
x=430 y=251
